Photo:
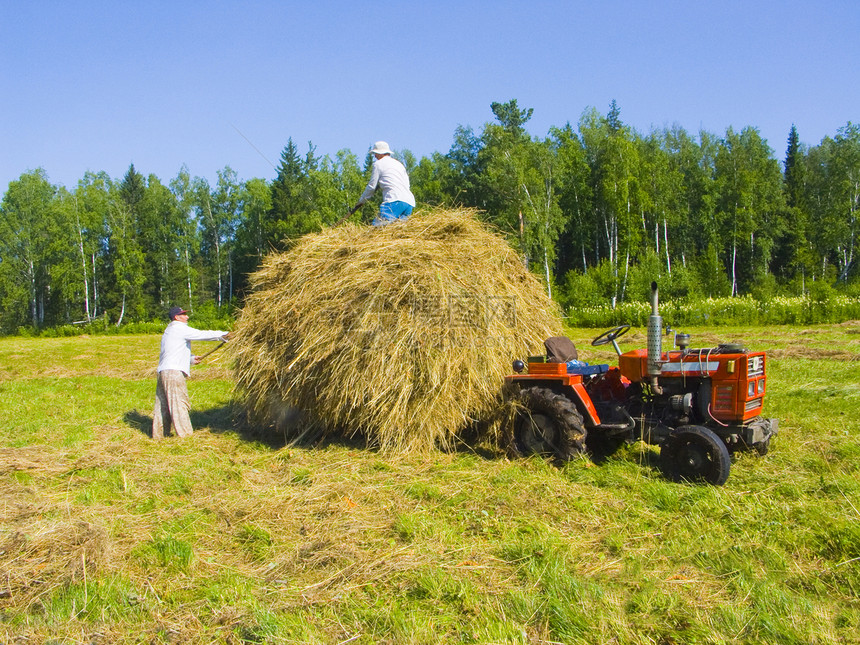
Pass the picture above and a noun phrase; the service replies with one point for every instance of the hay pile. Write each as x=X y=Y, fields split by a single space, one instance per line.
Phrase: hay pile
x=402 y=333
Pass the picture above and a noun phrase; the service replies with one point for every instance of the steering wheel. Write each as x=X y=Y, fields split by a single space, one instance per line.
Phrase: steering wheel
x=610 y=335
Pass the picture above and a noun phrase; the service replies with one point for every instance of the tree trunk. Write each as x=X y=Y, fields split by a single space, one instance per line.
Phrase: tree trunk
x=522 y=242
x=626 y=271
x=230 y=277
x=734 y=271
x=83 y=264
x=546 y=271
x=188 y=273
x=218 y=260
x=33 y=315
x=666 y=246
x=121 y=311
x=95 y=289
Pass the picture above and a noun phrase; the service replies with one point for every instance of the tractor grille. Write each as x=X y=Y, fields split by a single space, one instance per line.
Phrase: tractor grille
x=755 y=366
x=724 y=397
x=753 y=404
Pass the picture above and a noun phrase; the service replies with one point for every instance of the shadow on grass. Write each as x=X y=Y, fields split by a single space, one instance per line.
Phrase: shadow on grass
x=232 y=418
x=218 y=420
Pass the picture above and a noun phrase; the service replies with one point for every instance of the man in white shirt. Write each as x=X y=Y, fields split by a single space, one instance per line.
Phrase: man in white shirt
x=174 y=363
x=389 y=174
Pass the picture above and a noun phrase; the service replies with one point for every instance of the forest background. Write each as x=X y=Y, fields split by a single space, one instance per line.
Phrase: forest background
x=597 y=211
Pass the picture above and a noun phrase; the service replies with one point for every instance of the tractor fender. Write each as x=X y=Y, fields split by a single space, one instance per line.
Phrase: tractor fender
x=570 y=384
x=578 y=393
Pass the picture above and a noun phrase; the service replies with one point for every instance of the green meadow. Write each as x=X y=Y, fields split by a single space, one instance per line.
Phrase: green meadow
x=231 y=536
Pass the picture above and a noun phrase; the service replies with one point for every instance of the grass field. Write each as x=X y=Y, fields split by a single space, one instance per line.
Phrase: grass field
x=227 y=537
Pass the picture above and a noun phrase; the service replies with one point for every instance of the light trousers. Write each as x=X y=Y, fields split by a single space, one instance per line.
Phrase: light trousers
x=171 y=405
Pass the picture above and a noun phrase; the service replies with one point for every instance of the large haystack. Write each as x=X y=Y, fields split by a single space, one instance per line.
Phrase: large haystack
x=402 y=333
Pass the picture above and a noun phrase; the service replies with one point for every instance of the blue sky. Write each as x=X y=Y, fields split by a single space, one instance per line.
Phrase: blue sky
x=100 y=85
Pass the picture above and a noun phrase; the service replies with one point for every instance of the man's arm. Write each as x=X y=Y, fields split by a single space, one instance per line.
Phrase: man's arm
x=205 y=334
x=369 y=189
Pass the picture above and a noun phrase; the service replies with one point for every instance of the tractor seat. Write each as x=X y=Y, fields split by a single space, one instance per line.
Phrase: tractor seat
x=560 y=349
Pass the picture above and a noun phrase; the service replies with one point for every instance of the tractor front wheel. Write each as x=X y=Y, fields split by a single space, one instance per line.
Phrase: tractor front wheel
x=695 y=453
x=548 y=424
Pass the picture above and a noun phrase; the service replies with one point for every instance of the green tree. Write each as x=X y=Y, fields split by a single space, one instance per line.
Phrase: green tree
x=695 y=228
x=847 y=199
x=25 y=216
x=503 y=158
x=511 y=118
x=429 y=178
x=292 y=213
x=519 y=181
x=663 y=199
x=126 y=258
x=159 y=232
x=614 y=162
x=92 y=205
x=69 y=247
x=251 y=233
x=833 y=171
x=332 y=186
x=749 y=205
x=219 y=213
x=575 y=199
x=182 y=187
x=461 y=177
x=793 y=256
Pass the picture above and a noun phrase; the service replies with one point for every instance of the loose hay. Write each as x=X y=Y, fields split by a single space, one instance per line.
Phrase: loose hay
x=402 y=333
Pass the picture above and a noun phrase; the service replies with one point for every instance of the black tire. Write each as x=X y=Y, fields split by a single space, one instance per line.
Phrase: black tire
x=694 y=453
x=548 y=424
x=602 y=446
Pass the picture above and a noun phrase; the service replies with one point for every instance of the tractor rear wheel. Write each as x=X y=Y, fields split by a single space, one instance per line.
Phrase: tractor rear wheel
x=695 y=453
x=548 y=424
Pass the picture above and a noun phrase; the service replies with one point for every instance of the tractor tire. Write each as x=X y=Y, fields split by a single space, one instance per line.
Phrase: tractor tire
x=695 y=453
x=549 y=424
x=601 y=446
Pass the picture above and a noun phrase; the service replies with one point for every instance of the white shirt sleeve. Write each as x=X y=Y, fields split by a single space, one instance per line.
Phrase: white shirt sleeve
x=371 y=185
x=176 y=345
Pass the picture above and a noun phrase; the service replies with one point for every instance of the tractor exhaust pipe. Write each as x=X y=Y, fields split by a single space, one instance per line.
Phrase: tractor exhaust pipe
x=655 y=342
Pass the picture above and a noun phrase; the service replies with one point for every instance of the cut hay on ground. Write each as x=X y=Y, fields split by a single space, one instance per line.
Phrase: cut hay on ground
x=402 y=333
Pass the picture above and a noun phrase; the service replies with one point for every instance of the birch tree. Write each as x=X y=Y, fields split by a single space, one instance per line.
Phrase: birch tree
x=614 y=163
x=24 y=242
x=749 y=206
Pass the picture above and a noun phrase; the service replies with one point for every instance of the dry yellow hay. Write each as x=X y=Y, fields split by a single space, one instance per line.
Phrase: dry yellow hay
x=401 y=333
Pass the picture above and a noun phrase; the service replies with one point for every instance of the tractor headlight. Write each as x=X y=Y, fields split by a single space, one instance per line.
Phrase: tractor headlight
x=761 y=386
x=751 y=389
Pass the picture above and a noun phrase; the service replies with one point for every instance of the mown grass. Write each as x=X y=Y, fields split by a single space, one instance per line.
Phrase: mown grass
x=231 y=537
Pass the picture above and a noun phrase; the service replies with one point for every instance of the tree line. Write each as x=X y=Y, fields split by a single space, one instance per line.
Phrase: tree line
x=597 y=211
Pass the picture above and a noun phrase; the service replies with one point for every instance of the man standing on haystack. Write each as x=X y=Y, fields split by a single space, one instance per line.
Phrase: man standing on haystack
x=390 y=174
x=174 y=363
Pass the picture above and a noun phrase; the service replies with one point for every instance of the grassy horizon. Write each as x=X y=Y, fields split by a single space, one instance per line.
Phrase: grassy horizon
x=233 y=537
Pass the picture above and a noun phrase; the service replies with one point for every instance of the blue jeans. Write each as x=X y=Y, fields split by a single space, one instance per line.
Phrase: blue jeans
x=390 y=211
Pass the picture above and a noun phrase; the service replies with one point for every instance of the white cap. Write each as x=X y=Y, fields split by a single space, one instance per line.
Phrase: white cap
x=380 y=148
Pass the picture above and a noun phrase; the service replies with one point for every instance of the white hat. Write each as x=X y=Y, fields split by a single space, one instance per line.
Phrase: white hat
x=380 y=148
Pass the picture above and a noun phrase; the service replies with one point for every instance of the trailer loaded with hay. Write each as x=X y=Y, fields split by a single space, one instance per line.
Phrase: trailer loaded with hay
x=400 y=334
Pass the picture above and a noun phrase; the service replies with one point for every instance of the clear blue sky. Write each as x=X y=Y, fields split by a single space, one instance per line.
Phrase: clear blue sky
x=99 y=85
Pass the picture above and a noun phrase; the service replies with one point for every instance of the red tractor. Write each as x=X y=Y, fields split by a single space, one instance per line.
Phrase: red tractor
x=696 y=404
